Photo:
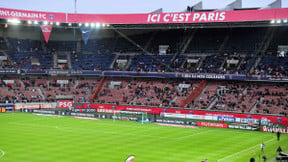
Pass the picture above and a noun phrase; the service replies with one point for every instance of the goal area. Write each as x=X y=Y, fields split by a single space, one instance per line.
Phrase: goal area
x=130 y=115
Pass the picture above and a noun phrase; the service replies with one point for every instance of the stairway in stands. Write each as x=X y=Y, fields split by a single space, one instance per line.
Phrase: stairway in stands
x=97 y=90
x=195 y=93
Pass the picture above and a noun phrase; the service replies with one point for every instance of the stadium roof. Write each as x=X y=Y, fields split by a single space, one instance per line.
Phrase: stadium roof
x=128 y=6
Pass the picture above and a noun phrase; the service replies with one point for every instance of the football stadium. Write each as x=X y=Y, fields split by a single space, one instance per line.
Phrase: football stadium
x=196 y=85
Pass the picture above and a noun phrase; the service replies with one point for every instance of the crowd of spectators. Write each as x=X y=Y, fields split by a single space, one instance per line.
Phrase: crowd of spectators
x=242 y=97
x=217 y=63
x=45 y=90
x=275 y=66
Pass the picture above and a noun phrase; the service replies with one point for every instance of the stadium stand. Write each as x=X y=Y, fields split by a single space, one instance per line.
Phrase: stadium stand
x=228 y=52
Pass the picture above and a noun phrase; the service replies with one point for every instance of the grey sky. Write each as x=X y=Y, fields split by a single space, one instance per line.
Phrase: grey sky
x=124 y=6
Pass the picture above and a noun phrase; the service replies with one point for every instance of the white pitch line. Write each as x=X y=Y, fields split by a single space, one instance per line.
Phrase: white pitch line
x=193 y=134
x=243 y=151
x=3 y=153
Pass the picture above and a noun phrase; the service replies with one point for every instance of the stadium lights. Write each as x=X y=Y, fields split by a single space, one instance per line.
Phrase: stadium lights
x=29 y=22
x=272 y=21
x=86 y=24
x=103 y=25
x=92 y=25
x=14 y=21
x=35 y=22
x=98 y=25
x=107 y=25
x=70 y=24
x=57 y=23
x=80 y=24
x=51 y=23
x=278 y=21
x=45 y=23
x=285 y=21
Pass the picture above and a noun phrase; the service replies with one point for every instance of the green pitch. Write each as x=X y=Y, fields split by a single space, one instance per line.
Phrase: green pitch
x=28 y=137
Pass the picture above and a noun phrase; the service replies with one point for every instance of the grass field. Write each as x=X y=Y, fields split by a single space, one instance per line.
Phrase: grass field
x=28 y=137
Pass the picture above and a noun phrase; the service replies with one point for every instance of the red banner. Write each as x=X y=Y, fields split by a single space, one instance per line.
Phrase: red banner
x=46 y=30
x=175 y=17
x=210 y=124
x=32 y=15
x=64 y=104
x=273 y=130
x=158 y=111
x=182 y=17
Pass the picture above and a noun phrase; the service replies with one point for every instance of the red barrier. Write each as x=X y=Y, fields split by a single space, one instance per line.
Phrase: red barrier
x=158 y=111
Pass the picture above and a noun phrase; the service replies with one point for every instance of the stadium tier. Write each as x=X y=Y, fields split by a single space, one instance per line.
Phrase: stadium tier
x=241 y=97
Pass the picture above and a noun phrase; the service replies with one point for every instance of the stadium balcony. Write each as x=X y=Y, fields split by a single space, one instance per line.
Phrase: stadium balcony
x=32 y=60
x=23 y=45
x=81 y=61
x=207 y=41
x=213 y=64
x=150 y=63
x=61 y=46
x=272 y=65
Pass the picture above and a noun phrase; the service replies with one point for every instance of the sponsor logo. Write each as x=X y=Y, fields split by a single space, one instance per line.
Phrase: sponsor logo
x=203 y=76
x=269 y=129
x=83 y=115
x=65 y=104
x=85 y=110
x=44 y=112
x=46 y=30
x=209 y=124
x=51 y=17
x=33 y=106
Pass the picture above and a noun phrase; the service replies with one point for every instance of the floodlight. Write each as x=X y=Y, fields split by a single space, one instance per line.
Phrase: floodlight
x=57 y=23
x=272 y=21
x=35 y=22
x=14 y=21
x=45 y=23
x=98 y=25
x=278 y=21
x=29 y=22
x=86 y=24
x=70 y=24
